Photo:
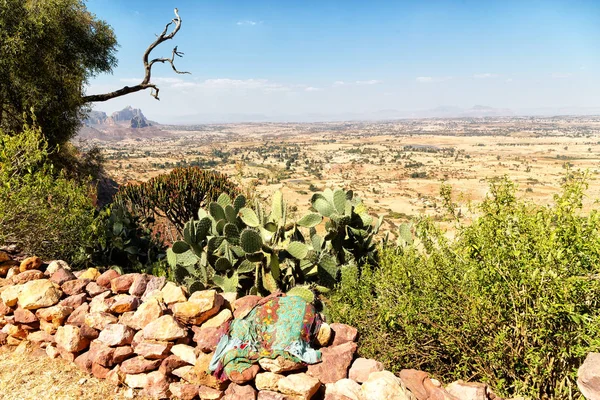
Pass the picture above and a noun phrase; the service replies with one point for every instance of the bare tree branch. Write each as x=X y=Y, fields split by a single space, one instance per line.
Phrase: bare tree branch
x=146 y=84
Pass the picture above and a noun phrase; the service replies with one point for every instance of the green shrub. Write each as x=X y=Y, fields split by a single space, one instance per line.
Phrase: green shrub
x=118 y=239
x=41 y=210
x=512 y=301
x=176 y=196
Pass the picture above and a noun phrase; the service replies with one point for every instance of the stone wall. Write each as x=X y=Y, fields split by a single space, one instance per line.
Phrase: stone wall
x=140 y=331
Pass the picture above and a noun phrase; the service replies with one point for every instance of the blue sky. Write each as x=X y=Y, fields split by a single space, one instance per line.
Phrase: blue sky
x=286 y=58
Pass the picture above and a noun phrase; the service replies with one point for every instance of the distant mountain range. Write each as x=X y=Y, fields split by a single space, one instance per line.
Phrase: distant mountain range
x=129 y=123
x=129 y=116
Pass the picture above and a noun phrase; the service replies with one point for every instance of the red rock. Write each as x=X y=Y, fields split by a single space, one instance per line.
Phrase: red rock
x=66 y=355
x=121 y=284
x=115 y=376
x=208 y=393
x=270 y=395
x=107 y=276
x=467 y=390
x=362 y=367
x=40 y=337
x=3 y=337
x=61 y=276
x=116 y=335
x=244 y=305
x=99 y=320
x=73 y=301
x=588 y=376
x=240 y=392
x=183 y=391
x=335 y=363
x=207 y=338
x=83 y=362
x=77 y=317
x=24 y=316
x=138 y=287
x=27 y=276
x=75 y=286
x=343 y=333
x=122 y=353
x=155 y=283
x=100 y=371
x=4 y=309
x=69 y=338
x=420 y=385
x=171 y=363
x=94 y=289
x=153 y=350
x=124 y=303
x=157 y=386
x=101 y=354
x=30 y=263
x=138 y=365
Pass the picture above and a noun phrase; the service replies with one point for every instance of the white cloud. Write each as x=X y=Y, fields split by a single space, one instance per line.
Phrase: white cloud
x=339 y=83
x=559 y=75
x=312 y=89
x=369 y=82
x=248 y=23
x=432 y=79
x=485 y=75
x=508 y=80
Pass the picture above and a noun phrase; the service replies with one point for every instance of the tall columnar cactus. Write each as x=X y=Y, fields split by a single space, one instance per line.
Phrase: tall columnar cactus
x=241 y=247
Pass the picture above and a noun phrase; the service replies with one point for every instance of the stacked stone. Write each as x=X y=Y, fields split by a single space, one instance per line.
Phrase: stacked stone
x=140 y=331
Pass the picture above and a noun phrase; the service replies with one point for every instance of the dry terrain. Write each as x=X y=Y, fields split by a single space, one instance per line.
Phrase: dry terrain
x=396 y=166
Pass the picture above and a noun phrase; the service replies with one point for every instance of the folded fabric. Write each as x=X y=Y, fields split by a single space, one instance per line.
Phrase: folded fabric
x=283 y=326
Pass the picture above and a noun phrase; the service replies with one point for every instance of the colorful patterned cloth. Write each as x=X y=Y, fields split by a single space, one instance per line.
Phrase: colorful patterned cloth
x=283 y=326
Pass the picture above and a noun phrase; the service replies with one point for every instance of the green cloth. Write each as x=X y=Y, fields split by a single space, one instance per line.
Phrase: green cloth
x=283 y=326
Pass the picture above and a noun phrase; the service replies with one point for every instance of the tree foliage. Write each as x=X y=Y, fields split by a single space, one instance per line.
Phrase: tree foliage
x=41 y=210
x=513 y=300
x=50 y=49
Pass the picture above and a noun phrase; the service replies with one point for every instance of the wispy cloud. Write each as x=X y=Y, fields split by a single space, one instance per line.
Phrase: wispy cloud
x=312 y=89
x=509 y=80
x=248 y=23
x=432 y=79
x=486 y=75
x=339 y=83
x=561 y=75
x=369 y=82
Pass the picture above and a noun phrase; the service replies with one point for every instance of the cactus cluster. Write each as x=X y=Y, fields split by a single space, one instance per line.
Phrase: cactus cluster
x=240 y=247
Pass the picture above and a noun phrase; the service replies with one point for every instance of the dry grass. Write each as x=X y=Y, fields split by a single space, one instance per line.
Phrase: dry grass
x=25 y=376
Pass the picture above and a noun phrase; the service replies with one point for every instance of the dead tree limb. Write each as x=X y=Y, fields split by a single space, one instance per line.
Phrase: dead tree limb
x=146 y=83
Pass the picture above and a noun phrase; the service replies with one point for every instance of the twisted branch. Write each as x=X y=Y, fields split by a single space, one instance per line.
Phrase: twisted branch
x=146 y=84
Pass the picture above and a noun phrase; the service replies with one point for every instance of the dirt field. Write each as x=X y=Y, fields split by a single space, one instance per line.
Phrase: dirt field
x=396 y=167
x=25 y=376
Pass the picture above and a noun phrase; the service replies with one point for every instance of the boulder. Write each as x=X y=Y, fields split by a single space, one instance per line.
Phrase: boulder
x=75 y=286
x=208 y=393
x=91 y=273
x=30 y=263
x=155 y=283
x=61 y=276
x=164 y=328
x=200 y=307
x=184 y=352
x=83 y=362
x=56 y=265
x=324 y=335
x=107 y=276
x=244 y=305
x=171 y=294
x=468 y=390
x=24 y=316
x=219 y=320
x=122 y=353
x=10 y=295
x=335 y=363
x=267 y=381
x=101 y=303
x=94 y=289
x=138 y=365
x=78 y=315
x=207 y=339
x=171 y=363
x=38 y=294
x=270 y=395
x=345 y=389
x=157 y=386
x=116 y=335
x=280 y=365
x=40 y=337
x=137 y=381
x=99 y=320
x=124 y=303
x=239 y=392
x=138 y=286
x=100 y=371
x=183 y=391
x=153 y=350
x=384 y=385
x=362 y=367
x=73 y=301
x=27 y=276
x=115 y=376
x=343 y=333
x=301 y=386
x=146 y=313
x=199 y=374
x=121 y=284
x=69 y=338
x=588 y=377
x=55 y=314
